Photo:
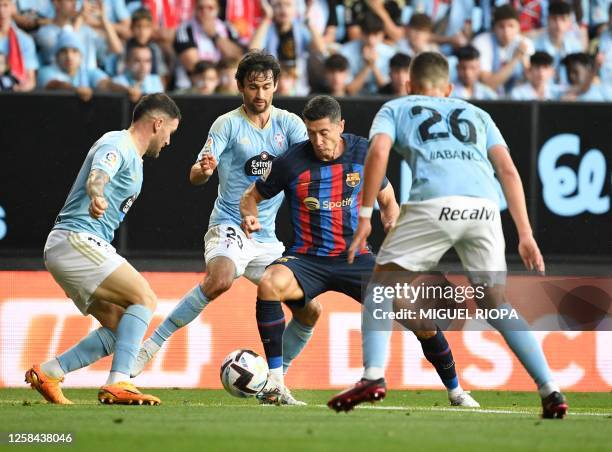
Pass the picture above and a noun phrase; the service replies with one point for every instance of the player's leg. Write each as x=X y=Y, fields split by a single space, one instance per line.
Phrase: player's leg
x=299 y=330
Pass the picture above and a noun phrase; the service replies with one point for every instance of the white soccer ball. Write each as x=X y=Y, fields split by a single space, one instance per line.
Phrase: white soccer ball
x=244 y=373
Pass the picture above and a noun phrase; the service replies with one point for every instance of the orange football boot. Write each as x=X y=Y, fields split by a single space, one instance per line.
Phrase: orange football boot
x=125 y=393
x=48 y=387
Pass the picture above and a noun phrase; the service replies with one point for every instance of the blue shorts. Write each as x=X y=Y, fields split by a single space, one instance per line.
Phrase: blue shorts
x=319 y=274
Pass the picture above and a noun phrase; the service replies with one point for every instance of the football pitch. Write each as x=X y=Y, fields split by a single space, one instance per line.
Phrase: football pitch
x=211 y=420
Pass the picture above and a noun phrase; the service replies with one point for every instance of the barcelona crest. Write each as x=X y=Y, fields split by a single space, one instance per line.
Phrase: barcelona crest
x=353 y=179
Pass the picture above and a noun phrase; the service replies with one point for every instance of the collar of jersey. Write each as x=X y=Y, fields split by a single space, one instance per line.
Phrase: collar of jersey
x=268 y=124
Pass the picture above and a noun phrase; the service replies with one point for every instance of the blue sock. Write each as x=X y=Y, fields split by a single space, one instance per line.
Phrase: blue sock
x=271 y=325
x=132 y=327
x=295 y=338
x=190 y=306
x=438 y=353
x=97 y=344
x=375 y=336
x=525 y=346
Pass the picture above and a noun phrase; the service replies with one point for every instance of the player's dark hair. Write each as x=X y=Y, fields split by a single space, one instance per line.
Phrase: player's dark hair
x=254 y=63
x=421 y=22
x=505 y=12
x=142 y=14
x=400 y=61
x=559 y=8
x=158 y=102
x=428 y=68
x=336 y=63
x=541 y=59
x=372 y=24
x=579 y=58
x=467 y=53
x=202 y=66
x=322 y=106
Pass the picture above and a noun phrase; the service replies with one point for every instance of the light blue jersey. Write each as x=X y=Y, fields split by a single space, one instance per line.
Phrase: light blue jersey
x=116 y=155
x=244 y=152
x=445 y=143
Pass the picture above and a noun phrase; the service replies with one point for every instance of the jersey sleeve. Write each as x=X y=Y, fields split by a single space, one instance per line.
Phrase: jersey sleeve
x=296 y=130
x=494 y=136
x=274 y=180
x=384 y=122
x=218 y=138
x=108 y=159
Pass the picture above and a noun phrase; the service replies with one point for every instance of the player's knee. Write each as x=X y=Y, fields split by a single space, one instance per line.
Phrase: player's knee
x=309 y=314
x=213 y=287
x=145 y=297
x=424 y=335
x=270 y=287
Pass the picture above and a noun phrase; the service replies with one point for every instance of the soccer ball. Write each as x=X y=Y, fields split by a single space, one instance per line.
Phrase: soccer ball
x=244 y=373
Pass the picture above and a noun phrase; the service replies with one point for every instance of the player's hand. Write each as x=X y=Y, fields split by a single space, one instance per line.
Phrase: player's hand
x=97 y=206
x=530 y=254
x=250 y=224
x=364 y=228
x=389 y=216
x=208 y=164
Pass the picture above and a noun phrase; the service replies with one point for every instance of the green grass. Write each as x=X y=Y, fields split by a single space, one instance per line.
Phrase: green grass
x=207 y=420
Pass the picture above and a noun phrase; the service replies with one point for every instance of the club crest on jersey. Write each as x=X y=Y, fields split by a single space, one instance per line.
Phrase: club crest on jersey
x=257 y=166
x=353 y=179
x=280 y=139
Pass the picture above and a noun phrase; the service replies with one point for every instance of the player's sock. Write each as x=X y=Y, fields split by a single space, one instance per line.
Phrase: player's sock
x=97 y=344
x=375 y=336
x=190 y=306
x=130 y=331
x=271 y=325
x=295 y=338
x=439 y=354
x=525 y=346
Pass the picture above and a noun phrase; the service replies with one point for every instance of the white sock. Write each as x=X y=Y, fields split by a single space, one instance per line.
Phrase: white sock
x=373 y=373
x=548 y=388
x=150 y=346
x=116 y=377
x=277 y=374
x=52 y=368
x=452 y=393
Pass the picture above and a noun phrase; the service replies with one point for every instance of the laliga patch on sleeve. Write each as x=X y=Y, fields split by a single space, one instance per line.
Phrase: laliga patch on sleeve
x=110 y=159
x=209 y=144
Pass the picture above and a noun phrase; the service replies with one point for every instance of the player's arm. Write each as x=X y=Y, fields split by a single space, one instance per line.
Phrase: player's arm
x=374 y=173
x=248 y=210
x=515 y=196
x=202 y=169
x=389 y=208
x=96 y=182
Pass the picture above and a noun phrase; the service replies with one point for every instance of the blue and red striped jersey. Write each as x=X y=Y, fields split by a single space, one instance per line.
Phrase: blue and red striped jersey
x=323 y=197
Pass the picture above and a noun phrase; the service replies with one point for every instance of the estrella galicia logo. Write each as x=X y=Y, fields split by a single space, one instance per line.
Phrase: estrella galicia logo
x=126 y=205
x=257 y=166
x=567 y=192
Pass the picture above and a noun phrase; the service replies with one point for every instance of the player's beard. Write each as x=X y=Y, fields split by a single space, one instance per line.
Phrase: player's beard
x=153 y=150
x=258 y=108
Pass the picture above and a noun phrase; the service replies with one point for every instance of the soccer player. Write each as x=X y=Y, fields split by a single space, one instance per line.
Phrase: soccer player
x=80 y=257
x=419 y=126
x=244 y=142
x=322 y=180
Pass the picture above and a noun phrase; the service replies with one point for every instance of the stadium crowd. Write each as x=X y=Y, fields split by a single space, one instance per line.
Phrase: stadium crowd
x=521 y=49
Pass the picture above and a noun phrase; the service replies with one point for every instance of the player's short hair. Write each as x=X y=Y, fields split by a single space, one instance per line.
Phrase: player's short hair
x=322 y=106
x=142 y=14
x=202 y=66
x=559 y=8
x=467 y=53
x=336 y=63
x=158 y=102
x=429 y=68
x=257 y=62
x=578 y=58
x=541 y=59
x=372 y=24
x=505 y=12
x=421 y=22
x=399 y=61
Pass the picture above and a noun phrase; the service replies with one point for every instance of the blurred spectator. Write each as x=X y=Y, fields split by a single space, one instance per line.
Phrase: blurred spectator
x=347 y=27
x=540 y=85
x=418 y=36
x=467 y=85
x=95 y=46
x=399 y=73
x=164 y=18
x=227 y=77
x=31 y=14
x=368 y=58
x=451 y=21
x=336 y=75
x=244 y=16
x=558 y=39
x=204 y=79
x=137 y=77
x=287 y=81
x=290 y=40
x=203 y=37
x=19 y=49
x=602 y=46
x=69 y=72
x=7 y=80
x=390 y=14
x=581 y=75
x=504 y=53
x=114 y=10
x=142 y=34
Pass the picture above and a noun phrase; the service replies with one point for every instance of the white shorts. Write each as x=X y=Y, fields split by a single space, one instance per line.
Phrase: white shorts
x=249 y=256
x=79 y=262
x=426 y=230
